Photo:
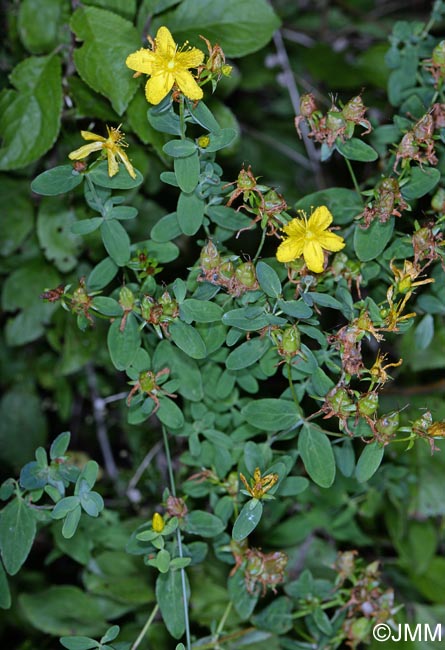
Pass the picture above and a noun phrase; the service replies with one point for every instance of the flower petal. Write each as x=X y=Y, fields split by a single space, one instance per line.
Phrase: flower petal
x=88 y=135
x=158 y=87
x=295 y=228
x=189 y=58
x=320 y=219
x=85 y=151
x=187 y=85
x=164 y=41
x=289 y=250
x=331 y=242
x=313 y=256
x=128 y=166
x=113 y=167
x=141 y=61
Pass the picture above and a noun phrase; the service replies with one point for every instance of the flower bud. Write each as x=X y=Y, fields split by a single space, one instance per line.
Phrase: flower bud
x=354 y=109
x=290 y=342
x=307 y=105
x=147 y=304
x=168 y=304
x=158 y=523
x=126 y=299
x=246 y=274
x=209 y=258
x=203 y=141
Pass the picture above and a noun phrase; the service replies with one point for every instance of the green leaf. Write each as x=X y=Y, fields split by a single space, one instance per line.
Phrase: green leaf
x=247 y=353
x=355 y=149
x=120 y=181
x=100 y=61
x=268 y=279
x=64 y=506
x=166 y=228
x=188 y=340
x=41 y=23
x=369 y=461
x=247 y=520
x=201 y=311
x=57 y=180
x=325 y=300
x=199 y=522
x=272 y=414
x=276 y=617
x=190 y=213
x=170 y=599
x=20 y=221
x=168 y=355
x=60 y=445
x=202 y=115
x=107 y=306
x=5 y=594
x=116 y=241
x=123 y=344
x=165 y=121
x=295 y=308
x=221 y=139
x=246 y=318
x=317 y=455
x=126 y=8
x=179 y=148
x=187 y=172
x=420 y=183
x=292 y=485
x=63 y=610
x=424 y=332
x=17 y=532
x=243 y=600
x=110 y=634
x=370 y=243
x=23 y=425
x=240 y=28
x=169 y=413
x=71 y=522
x=54 y=230
x=228 y=217
x=30 y=115
x=102 y=274
x=78 y=642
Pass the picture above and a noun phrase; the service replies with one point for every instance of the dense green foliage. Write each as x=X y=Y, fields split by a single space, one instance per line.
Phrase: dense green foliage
x=237 y=467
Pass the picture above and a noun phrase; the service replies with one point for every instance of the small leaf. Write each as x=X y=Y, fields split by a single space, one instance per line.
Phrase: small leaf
x=272 y=414
x=169 y=413
x=179 y=148
x=102 y=274
x=166 y=228
x=369 y=461
x=268 y=279
x=64 y=506
x=17 y=532
x=120 y=181
x=199 y=522
x=370 y=243
x=78 y=643
x=247 y=520
x=123 y=345
x=188 y=340
x=71 y=522
x=187 y=172
x=243 y=600
x=221 y=139
x=295 y=308
x=190 y=213
x=422 y=181
x=170 y=598
x=247 y=353
x=355 y=149
x=57 y=180
x=110 y=634
x=60 y=445
x=116 y=241
x=201 y=311
x=317 y=455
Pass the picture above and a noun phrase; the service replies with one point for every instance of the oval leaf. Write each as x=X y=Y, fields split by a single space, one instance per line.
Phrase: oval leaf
x=247 y=520
x=355 y=149
x=272 y=414
x=370 y=243
x=369 y=462
x=188 y=340
x=317 y=455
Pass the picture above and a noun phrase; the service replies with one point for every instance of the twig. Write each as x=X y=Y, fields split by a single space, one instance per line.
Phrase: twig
x=143 y=466
x=101 y=427
x=145 y=628
x=294 y=96
x=278 y=146
x=114 y=398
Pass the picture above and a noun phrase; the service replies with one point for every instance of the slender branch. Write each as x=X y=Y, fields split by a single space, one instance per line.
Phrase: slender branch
x=354 y=179
x=222 y=622
x=115 y=398
x=101 y=427
x=291 y=385
x=282 y=148
x=179 y=540
x=261 y=244
x=143 y=466
x=294 y=96
x=145 y=628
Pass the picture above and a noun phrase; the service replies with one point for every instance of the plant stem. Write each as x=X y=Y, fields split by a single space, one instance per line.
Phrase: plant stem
x=225 y=639
x=145 y=628
x=222 y=622
x=182 y=117
x=261 y=244
x=291 y=385
x=179 y=540
x=354 y=179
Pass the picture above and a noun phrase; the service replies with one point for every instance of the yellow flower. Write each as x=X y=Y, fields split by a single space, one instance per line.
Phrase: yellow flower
x=158 y=523
x=111 y=146
x=308 y=237
x=259 y=485
x=167 y=66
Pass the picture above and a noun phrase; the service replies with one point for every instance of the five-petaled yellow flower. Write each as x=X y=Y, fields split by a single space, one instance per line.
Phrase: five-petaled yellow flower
x=167 y=66
x=308 y=237
x=259 y=485
x=111 y=146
